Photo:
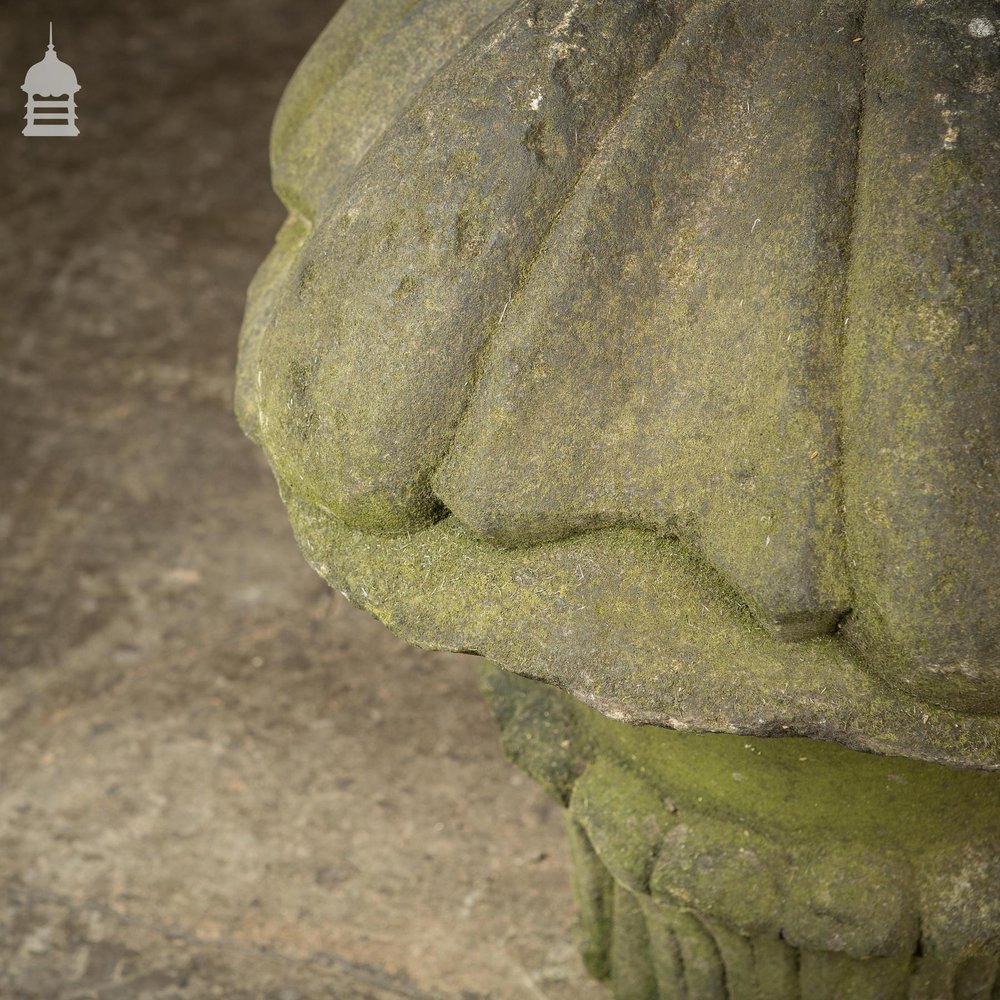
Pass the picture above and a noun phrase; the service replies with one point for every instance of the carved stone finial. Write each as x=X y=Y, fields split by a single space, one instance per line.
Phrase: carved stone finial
x=650 y=350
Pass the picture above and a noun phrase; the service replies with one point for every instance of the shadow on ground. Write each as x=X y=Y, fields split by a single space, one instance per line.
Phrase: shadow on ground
x=217 y=778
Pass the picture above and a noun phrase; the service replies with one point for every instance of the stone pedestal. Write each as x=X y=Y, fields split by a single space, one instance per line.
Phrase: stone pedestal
x=720 y=866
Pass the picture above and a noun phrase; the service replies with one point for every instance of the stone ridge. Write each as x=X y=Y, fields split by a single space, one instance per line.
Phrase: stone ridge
x=724 y=274
x=635 y=626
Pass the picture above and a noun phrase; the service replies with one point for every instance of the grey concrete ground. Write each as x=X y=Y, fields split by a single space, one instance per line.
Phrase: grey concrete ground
x=216 y=778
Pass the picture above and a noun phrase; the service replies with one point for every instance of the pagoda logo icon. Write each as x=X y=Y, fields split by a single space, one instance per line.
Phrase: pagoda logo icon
x=51 y=87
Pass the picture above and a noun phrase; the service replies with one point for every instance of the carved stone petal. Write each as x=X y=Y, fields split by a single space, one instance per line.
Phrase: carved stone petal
x=724 y=274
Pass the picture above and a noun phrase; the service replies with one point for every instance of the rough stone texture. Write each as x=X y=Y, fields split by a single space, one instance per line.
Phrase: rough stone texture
x=217 y=779
x=634 y=626
x=713 y=866
x=649 y=348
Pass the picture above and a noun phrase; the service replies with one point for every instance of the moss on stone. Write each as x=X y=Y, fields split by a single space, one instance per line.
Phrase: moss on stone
x=831 y=849
x=633 y=625
x=612 y=339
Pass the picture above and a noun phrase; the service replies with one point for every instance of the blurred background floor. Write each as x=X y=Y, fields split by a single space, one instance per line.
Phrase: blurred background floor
x=216 y=777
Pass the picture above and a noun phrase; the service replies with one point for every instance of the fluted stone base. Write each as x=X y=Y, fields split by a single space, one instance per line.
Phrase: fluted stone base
x=718 y=866
x=648 y=948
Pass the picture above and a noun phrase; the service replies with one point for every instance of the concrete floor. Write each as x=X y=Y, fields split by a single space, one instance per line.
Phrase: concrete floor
x=216 y=778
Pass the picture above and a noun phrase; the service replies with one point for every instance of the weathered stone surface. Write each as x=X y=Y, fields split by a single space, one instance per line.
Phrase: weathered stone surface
x=713 y=866
x=635 y=626
x=921 y=420
x=692 y=306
